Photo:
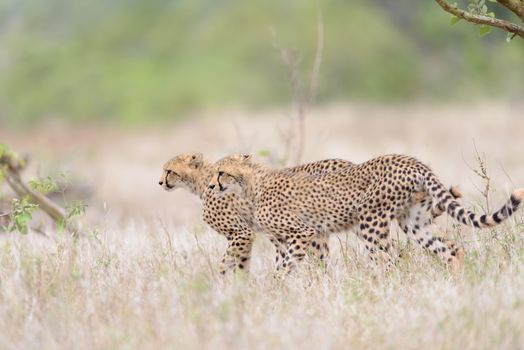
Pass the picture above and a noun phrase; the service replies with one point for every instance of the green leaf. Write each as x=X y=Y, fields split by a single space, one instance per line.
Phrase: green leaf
x=22 y=229
x=21 y=223
x=263 y=153
x=60 y=225
x=491 y=14
x=21 y=214
x=77 y=208
x=44 y=186
x=484 y=30
x=24 y=217
x=454 y=20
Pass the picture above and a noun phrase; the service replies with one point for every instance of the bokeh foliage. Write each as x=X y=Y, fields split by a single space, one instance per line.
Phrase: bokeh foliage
x=133 y=60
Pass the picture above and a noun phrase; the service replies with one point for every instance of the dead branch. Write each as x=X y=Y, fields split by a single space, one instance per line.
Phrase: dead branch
x=313 y=86
x=292 y=62
x=301 y=99
x=486 y=20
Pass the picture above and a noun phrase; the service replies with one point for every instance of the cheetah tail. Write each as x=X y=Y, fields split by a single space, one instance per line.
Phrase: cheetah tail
x=438 y=209
x=435 y=188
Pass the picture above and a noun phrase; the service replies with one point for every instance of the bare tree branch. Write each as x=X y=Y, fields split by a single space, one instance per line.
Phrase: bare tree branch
x=313 y=87
x=21 y=190
x=302 y=98
x=515 y=6
x=482 y=19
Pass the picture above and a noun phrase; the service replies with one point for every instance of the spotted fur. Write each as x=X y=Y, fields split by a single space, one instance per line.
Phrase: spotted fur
x=365 y=197
x=231 y=215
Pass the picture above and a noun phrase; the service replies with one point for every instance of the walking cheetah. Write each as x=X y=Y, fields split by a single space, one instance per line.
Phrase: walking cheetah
x=231 y=215
x=365 y=197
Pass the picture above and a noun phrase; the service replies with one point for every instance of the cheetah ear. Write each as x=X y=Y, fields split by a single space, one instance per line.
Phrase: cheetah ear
x=246 y=158
x=196 y=160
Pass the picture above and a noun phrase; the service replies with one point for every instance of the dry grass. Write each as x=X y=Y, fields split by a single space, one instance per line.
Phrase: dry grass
x=132 y=285
x=138 y=287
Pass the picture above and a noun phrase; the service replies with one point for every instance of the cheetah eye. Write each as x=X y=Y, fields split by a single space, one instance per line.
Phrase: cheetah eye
x=168 y=172
x=220 y=173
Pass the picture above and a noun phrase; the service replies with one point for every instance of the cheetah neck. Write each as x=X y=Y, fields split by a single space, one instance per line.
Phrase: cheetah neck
x=253 y=180
x=199 y=182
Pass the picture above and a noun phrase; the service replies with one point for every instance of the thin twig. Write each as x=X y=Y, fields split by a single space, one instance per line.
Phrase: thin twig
x=169 y=241
x=481 y=172
x=40 y=231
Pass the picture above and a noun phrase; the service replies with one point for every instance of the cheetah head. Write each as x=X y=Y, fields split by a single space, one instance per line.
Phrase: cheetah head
x=179 y=170
x=228 y=176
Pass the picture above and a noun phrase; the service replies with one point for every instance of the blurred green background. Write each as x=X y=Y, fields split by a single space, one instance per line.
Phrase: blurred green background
x=130 y=61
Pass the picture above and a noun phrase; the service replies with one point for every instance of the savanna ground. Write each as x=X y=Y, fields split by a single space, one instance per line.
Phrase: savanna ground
x=146 y=276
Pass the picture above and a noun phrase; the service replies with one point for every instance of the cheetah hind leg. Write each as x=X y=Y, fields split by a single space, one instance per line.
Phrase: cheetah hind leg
x=318 y=249
x=437 y=209
x=374 y=229
x=280 y=250
x=417 y=223
x=296 y=247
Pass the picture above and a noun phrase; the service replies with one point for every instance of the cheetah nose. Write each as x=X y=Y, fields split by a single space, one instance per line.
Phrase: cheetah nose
x=160 y=183
x=211 y=186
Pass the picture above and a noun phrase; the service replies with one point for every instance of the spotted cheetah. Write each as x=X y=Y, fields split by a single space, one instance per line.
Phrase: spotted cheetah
x=365 y=198
x=231 y=215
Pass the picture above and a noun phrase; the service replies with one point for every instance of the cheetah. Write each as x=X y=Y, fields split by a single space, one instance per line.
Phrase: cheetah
x=364 y=198
x=231 y=215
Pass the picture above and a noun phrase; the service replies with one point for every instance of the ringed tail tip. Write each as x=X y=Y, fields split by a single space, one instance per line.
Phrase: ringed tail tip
x=518 y=194
x=455 y=192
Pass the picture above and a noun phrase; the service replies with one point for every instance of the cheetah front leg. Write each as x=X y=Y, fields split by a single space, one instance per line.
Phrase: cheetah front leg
x=238 y=253
x=298 y=240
